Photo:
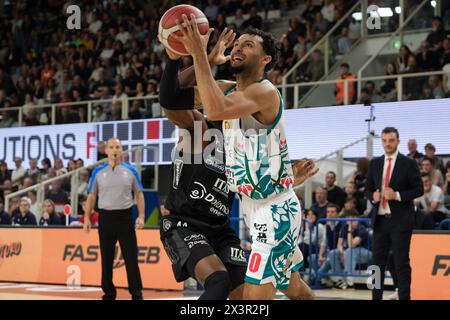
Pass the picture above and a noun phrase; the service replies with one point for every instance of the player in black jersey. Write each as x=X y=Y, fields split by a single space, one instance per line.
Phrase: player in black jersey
x=196 y=234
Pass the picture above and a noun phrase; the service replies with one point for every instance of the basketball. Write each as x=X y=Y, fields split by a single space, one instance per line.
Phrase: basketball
x=168 y=26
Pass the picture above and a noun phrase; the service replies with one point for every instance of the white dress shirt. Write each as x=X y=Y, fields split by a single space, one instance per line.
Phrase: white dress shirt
x=382 y=211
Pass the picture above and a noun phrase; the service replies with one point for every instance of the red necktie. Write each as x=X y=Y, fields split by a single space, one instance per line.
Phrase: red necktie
x=386 y=181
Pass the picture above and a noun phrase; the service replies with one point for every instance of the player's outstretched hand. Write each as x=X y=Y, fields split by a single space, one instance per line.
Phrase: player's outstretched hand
x=217 y=55
x=303 y=169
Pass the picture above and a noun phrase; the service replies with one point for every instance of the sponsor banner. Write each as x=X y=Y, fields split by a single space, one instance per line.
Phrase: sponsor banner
x=430 y=263
x=73 y=141
x=51 y=256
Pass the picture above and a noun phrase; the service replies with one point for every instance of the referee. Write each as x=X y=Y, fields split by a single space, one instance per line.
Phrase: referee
x=114 y=182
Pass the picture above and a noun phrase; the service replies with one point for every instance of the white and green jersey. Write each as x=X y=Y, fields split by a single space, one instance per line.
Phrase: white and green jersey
x=257 y=158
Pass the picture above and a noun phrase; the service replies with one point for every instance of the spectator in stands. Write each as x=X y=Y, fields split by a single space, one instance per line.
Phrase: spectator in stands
x=444 y=54
x=94 y=214
x=296 y=29
x=239 y=19
x=413 y=153
x=446 y=187
x=5 y=219
x=211 y=11
x=433 y=199
x=320 y=24
x=24 y=217
x=18 y=173
x=435 y=85
x=340 y=85
x=7 y=120
x=427 y=59
x=99 y=114
x=403 y=58
x=33 y=171
x=412 y=85
x=80 y=163
x=352 y=193
x=35 y=205
x=430 y=152
x=369 y=94
x=254 y=20
x=310 y=238
x=56 y=194
x=360 y=174
x=316 y=67
x=83 y=183
x=334 y=193
x=312 y=7
x=320 y=206
x=46 y=165
x=101 y=150
x=329 y=243
x=328 y=11
x=221 y=22
x=352 y=250
x=49 y=215
x=437 y=35
x=26 y=183
x=344 y=42
x=350 y=205
x=388 y=87
x=436 y=175
x=354 y=30
x=5 y=175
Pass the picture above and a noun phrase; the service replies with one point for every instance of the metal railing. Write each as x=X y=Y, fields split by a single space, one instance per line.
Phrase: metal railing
x=296 y=87
x=308 y=185
x=324 y=41
x=40 y=188
x=399 y=86
x=398 y=32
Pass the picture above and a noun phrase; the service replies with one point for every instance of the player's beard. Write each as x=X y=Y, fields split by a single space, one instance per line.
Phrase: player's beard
x=236 y=70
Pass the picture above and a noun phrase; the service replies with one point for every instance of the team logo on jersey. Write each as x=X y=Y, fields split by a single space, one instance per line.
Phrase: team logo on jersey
x=177 y=167
x=221 y=187
x=200 y=193
x=214 y=165
x=166 y=224
x=262 y=232
x=237 y=254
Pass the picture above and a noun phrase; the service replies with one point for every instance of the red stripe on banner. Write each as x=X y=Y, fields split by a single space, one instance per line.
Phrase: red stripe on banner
x=153 y=130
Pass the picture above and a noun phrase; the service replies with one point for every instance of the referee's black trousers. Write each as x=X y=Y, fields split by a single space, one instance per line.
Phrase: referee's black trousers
x=113 y=226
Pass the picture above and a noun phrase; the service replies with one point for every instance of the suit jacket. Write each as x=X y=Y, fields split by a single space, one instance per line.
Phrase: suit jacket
x=405 y=179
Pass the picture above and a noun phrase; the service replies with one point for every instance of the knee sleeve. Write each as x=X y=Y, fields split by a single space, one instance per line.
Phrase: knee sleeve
x=217 y=286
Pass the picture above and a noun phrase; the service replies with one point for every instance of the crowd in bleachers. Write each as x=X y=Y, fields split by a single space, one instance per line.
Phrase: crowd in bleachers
x=433 y=54
x=25 y=208
x=115 y=54
x=324 y=242
x=306 y=30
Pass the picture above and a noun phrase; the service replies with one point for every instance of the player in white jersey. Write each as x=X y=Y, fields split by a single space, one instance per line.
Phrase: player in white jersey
x=257 y=160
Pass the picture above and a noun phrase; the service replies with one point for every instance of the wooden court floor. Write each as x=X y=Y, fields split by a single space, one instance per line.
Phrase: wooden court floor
x=23 y=291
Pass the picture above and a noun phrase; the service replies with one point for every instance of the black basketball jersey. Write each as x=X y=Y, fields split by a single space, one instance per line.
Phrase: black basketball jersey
x=200 y=191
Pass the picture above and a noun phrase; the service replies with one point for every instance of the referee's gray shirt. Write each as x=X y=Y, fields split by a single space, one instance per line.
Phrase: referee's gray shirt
x=114 y=187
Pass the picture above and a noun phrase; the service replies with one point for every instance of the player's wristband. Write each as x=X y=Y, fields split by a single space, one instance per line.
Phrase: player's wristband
x=171 y=95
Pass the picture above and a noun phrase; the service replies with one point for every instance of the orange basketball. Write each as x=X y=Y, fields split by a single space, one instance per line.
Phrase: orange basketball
x=168 y=26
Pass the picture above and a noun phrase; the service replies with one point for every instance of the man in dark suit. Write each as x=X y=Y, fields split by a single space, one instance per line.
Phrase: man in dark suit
x=393 y=182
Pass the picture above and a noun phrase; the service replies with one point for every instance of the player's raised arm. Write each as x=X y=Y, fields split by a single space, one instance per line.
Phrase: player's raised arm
x=177 y=91
x=254 y=97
